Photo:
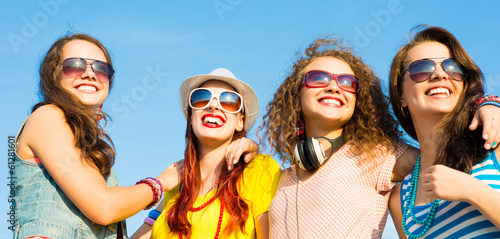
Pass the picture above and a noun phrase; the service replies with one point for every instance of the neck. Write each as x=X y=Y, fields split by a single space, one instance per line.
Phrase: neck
x=314 y=131
x=211 y=160
x=427 y=134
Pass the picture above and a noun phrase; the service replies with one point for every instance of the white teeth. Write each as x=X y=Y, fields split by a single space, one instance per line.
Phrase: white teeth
x=438 y=91
x=86 y=88
x=212 y=120
x=331 y=101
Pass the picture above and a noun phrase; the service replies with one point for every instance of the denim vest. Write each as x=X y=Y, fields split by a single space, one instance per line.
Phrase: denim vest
x=42 y=208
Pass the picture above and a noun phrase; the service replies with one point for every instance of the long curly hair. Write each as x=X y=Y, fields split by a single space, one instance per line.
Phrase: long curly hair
x=95 y=144
x=227 y=189
x=371 y=124
x=458 y=147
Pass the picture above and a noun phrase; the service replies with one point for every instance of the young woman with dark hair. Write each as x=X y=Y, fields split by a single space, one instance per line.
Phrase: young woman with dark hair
x=454 y=189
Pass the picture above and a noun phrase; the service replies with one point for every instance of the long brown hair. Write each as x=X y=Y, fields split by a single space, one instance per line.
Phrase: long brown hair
x=227 y=189
x=95 y=144
x=371 y=124
x=458 y=147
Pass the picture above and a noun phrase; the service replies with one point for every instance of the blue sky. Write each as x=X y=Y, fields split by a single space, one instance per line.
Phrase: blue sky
x=155 y=45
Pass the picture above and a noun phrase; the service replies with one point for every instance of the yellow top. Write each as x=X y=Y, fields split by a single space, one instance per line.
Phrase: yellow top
x=257 y=186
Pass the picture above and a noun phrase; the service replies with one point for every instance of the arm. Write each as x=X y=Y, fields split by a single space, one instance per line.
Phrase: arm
x=405 y=164
x=239 y=147
x=262 y=225
x=49 y=137
x=395 y=210
x=144 y=232
x=441 y=182
x=488 y=116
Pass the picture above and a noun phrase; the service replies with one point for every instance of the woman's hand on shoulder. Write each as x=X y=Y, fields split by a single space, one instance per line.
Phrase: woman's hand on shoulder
x=239 y=147
x=172 y=176
x=489 y=117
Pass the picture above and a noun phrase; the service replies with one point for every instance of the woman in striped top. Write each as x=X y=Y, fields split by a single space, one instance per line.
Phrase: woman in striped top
x=454 y=190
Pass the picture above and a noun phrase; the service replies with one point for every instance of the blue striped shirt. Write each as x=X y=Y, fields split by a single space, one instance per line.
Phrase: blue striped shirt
x=457 y=219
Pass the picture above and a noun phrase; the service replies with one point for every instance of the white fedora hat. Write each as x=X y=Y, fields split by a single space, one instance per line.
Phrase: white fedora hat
x=250 y=101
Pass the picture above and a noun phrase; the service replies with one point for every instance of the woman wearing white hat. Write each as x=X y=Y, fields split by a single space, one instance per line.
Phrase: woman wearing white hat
x=214 y=200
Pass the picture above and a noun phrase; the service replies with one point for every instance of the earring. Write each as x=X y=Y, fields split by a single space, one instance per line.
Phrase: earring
x=300 y=127
x=99 y=117
x=403 y=109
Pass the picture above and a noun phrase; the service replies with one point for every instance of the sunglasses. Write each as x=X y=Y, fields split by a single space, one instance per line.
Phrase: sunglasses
x=229 y=101
x=74 y=67
x=422 y=70
x=320 y=79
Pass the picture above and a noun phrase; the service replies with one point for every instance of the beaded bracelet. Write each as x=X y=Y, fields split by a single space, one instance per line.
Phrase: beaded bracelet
x=154 y=214
x=157 y=183
x=485 y=98
x=157 y=189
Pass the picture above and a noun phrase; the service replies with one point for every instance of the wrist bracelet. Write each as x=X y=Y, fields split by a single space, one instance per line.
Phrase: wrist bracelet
x=149 y=221
x=154 y=214
x=157 y=182
x=497 y=104
x=483 y=99
x=156 y=188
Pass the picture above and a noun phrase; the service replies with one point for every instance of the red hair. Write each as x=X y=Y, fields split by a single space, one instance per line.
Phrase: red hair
x=227 y=192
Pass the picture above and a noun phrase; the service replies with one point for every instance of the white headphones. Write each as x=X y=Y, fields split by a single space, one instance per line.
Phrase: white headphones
x=309 y=153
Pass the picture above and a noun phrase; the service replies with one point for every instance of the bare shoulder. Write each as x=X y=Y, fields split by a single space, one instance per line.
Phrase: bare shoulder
x=41 y=124
x=47 y=117
x=405 y=163
x=46 y=112
x=44 y=121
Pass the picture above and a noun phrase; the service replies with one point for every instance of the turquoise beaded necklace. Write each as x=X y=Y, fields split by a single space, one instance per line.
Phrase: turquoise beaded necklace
x=412 y=194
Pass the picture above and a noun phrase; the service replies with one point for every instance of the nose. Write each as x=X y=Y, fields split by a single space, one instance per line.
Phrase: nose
x=333 y=87
x=89 y=73
x=214 y=104
x=439 y=73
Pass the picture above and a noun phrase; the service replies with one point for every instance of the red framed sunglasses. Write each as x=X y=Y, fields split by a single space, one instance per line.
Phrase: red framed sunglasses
x=320 y=79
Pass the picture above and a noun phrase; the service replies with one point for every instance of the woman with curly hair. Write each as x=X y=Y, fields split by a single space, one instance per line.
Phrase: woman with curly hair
x=331 y=118
x=454 y=189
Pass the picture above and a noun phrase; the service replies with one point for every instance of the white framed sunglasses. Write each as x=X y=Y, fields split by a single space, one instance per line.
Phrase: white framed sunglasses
x=229 y=101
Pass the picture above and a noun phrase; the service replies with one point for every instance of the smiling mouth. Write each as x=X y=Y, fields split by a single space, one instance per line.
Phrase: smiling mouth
x=87 y=88
x=438 y=91
x=330 y=101
x=213 y=121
